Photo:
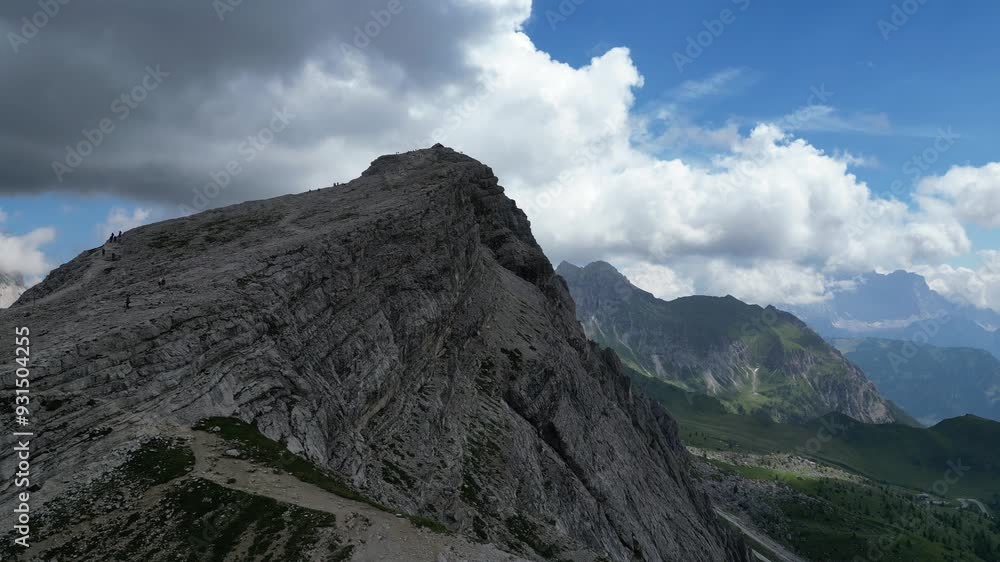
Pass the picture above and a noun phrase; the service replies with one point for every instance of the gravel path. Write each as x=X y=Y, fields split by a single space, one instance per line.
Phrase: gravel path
x=376 y=535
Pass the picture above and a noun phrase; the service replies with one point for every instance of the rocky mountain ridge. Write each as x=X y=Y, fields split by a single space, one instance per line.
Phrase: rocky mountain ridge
x=900 y=305
x=403 y=332
x=756 y=360
x=931 y=383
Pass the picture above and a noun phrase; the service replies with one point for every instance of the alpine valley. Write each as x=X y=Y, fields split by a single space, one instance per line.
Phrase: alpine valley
x=796 y=446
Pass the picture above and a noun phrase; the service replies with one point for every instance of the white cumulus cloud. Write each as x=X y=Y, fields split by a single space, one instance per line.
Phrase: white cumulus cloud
x=978 y=286
x=23 y=255
x=761 y=213
x=120 y=219
x=973 y=193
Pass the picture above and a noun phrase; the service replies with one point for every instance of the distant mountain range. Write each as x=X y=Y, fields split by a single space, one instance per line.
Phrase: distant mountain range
x=900 y=306
x=755 y=360
x=11 y=288
x=930 y=383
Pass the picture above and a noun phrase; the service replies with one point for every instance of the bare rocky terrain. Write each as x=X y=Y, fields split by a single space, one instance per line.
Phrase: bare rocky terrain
x=403 y=332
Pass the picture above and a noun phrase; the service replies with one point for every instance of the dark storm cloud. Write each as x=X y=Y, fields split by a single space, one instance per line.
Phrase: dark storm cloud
x=219 y=81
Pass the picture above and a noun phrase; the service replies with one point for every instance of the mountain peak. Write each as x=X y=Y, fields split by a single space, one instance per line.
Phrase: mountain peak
x=438 y=156
x=724 y=347
x=565 y=266
x=605 y=270
x=594 y=270
x=899 y=278
x=917 y=281
x=402 y=331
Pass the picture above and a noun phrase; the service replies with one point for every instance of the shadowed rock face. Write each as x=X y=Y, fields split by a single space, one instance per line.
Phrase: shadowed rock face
x=403 y=330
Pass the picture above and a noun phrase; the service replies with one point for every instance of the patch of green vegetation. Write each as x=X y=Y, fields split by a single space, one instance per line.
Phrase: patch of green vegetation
x=198 y=521
x=302 y=536
x=256 y=447
x=524 y=530
x=916 y=459
x=214 y=519
x=259 y=449
x=430 y=524
x=849 y=521
x=159 y=461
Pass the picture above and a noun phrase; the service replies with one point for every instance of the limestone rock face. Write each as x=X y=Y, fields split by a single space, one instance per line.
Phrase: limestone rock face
x=403 y=330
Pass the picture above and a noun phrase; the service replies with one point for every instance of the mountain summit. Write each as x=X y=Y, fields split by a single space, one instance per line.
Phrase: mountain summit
x=402 y=332
x=756 y=360
x=900 y=305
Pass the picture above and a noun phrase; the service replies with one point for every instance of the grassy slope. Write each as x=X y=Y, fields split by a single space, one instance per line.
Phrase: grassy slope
x=258 y=448
x=120 y=516
x=855 y=520
x=704 y=325
x=911 y=457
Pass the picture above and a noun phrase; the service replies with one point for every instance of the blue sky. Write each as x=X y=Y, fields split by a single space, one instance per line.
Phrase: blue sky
x=76 y=219
x=872 y=84
x=933 y=72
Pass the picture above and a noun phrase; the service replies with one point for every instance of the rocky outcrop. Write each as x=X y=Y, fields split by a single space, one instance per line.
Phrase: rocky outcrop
x=756 y=360
x=403 y=331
